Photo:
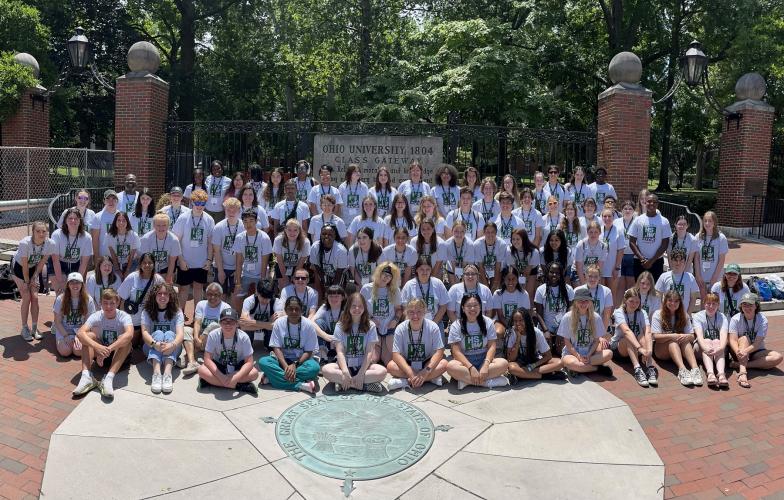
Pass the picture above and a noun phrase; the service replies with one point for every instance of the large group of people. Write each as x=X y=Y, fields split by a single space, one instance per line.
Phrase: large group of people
x=365 y=284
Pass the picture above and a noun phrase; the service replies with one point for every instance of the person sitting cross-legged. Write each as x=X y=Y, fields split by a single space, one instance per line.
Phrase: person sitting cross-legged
x=528 y=352
x=417 y=350
x=290 y=365
x=106 y=335
x=228 y=357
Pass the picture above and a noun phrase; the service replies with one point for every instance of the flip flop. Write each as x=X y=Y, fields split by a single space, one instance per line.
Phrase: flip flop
x=723 y=383
x=745 y=382
x=711 y=379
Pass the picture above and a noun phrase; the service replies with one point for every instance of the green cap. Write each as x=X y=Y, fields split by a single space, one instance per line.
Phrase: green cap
x=732 y=268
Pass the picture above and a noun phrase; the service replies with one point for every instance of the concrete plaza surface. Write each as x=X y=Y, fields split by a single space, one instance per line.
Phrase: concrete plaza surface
x=573 y=440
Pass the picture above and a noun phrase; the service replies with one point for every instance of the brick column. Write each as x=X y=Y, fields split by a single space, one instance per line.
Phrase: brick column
x=141 y=110
x=624 y=137
x=30 y=125
x=744 y=164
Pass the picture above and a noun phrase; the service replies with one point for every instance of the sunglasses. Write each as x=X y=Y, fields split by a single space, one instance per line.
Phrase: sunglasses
x=83 y=198
x=199 y=203
x=553 y=172
x=300 y=278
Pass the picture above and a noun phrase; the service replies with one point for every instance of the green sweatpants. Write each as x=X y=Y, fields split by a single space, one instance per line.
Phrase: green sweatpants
x=306 y=372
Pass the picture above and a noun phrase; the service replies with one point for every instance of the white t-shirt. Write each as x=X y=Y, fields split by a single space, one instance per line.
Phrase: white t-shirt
x=331 y=260
x=488 y=255
x=406 y=258
x=380 y=229
x=107 y=330
x=253 y=249
x=474 y=221
x=317 y=191
x=309 y=298
x=582 y=338
x=683 y=283
x=216 y=190
x=381 y=309
x=473 y=344
x=231 y=352
x=542 y=346
x=711 y=327
x=294 y=340
x=162 y=323
x=637 y=322
x=96 y=289
x=401 y=222
x=509 y=301
x=433 y=293
x=710 y=250
x=540 y=200
x=578 y=194
x=359 y=260
x=88 y=219
x=327 y=314
x=751 y=329
x=73 y=320
x=161 y=250
x=725 y=306
x=123 y=244
x=140 y=225
x=256 y=310
x=290 y=253
x=127 y=202
x=102 y=222
x=356 y=344
x=224 y=235
x=417 y=346
x=557 y=190
x=650 y=303
x=189 y=191
x=383 y=200
x=554 y=306
x=457 y=291
x=173 y=214
x=436 y=254
x=317 y=222
x=649 y=232
x=352 y=199
x=34 y=253
x=656 y=324
x=284 y=209
x=262 y=219
x=458 y=257
x=614 y=240
x=687 y=243
x=622 y=227
x=601 y=191
x=304 y=187
x=521 y=261
x=601 y=296
x=532 y=219
x=132 y=289
x=551 y=224
x=506 y=225
x=72 y=248
x=590 y=254
x=413 y=193
x=447 y=198
x=206 y=314
x=489 y=210
x=194 y=234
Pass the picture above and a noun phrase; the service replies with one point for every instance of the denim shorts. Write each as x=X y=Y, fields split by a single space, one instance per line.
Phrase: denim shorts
x=581 y=350
x=627 y=265
x=153 y=354
x=477 y=359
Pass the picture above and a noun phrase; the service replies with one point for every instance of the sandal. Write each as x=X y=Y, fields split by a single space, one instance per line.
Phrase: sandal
x=723 y=383
x=712 y=382
x=744 y=382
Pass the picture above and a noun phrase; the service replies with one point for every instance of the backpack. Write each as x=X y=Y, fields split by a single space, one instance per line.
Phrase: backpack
x=8 y=288
x=761 y=287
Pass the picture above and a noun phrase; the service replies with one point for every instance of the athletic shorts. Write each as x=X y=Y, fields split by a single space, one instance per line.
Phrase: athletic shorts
x=18 y=271
x=192 y=275
x=627 y=265
x=68 y=268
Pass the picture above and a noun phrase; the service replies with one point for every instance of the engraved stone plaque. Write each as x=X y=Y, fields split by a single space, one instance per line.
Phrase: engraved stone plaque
x=357 y=436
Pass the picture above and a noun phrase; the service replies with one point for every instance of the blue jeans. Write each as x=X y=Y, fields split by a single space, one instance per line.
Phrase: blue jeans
x=153 y=354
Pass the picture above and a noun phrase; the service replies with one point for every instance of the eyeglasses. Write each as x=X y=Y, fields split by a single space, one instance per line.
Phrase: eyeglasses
x=471 y=274
x=199 y=203
x=83 y=198
x=552 y=203
x=300 y=278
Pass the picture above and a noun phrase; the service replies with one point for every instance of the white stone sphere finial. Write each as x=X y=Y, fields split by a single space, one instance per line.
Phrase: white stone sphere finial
x=28 y=60
x=625 y=67
x=750 y=86
x=143 y=57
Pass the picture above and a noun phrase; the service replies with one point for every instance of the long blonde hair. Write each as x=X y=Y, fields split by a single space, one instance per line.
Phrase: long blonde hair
x=393 y=289
x=576 y=318
x=420 y=215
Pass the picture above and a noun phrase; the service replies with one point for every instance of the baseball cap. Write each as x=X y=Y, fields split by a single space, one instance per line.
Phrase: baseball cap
x=109 y=192
x=175 y=189
x=582 y=294
x=749 y=298
x=75 y=277
x=229 y=313
x=732 y=268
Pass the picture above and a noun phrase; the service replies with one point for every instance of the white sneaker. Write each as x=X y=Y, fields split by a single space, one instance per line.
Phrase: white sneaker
x=684 y=377
x=86 y=384
x=157 y=381
x=461 y=385
x=106 y=388
x=497 y=382
x=397 y=383
x=167 y=384
x=190 y=369
x=438 y=381
x=26 y=334
x=696 y=376
x=36 y=334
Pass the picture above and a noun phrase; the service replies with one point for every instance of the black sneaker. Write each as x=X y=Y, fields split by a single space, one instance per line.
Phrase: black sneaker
x=604 y=370
x=203 y=384
x=640 y=377
x=557 y=375
x=248 y=387
x=513 y=379
x=653 y=375
x=375 y=387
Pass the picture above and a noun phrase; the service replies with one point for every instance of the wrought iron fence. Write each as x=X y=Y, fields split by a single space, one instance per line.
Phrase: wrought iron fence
x=493 y=150
x=673 y=210
x=30 y=178
x=768 y=217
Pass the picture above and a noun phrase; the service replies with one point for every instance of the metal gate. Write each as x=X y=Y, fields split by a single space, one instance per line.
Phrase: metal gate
x=493 y=150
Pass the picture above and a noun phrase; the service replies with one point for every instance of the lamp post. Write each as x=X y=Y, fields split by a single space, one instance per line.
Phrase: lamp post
x=81 y=54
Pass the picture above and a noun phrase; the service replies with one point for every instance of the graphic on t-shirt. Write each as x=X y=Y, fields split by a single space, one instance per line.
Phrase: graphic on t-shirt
x=383 y=201
x=355 y=345
x=364 y=269
x=290 y=259
x=490 y=260
x=509 y=309
x=160 y=256
x=473 y=342
x=108 y=337
x=678 y=287
x=571 y=238
x=251 y=253
x=708 y=253
x=163 y=327
x=416 y=352
x=584 y=337
x=649 y=233
x=228 y=242
x=415 y=197
x=197 y=234
x=72 y=253
x=291 y=342
x=329 y=269
x=711 y=333
x=591 y=260
x=205 y=322
x=448 y=198
x=73 y=318
x=123 y=250
x=381 y=307
x=228 y=357
x=352 y=200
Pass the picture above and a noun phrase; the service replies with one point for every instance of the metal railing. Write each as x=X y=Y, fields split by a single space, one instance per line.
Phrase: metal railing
x=768 y=220
x=674 y=210
x=30 y=178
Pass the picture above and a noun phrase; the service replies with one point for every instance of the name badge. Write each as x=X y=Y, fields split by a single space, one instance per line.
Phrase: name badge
x=195 y=244
x=490 y=273
x=250 y=266
x=521 y=280
x=459 y=272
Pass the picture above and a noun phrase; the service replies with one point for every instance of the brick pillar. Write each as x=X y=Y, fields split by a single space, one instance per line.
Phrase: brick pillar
x=624 y=137
x=141 y=102
x=30 y=125
x=744 y=164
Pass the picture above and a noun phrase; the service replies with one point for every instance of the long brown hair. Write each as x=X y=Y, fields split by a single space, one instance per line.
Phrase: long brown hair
x=681 y=319
x=346 y=322
x=420 y=240
x=267 y=194
x=66 y=306
x=151 y=305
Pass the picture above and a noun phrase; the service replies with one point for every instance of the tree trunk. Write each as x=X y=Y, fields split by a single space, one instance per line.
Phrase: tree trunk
x=366 y=21
x=700 y=165
x=672 y=67
x=187 y=63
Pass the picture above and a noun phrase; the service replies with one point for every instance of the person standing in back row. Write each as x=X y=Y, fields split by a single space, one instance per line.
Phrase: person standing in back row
x=649 y=238
x=217 y=184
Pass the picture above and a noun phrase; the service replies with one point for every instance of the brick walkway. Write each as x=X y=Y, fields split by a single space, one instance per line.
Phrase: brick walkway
x=714 y=444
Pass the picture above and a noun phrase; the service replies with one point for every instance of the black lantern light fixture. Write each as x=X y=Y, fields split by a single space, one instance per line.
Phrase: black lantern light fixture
x=81 y=57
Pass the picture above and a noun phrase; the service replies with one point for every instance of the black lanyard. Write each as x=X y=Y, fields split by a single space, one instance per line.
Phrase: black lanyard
x=68 y=246
x=715 y=318
x=458 y=256
x=164 y=242
x=426 y=298
x=632 y=326
x=236 y=228
x=487 y=249
x=233 y=342
x=751 y=332
x=411 y=334
x=488 y=214
x=299 y=330
x=304 y=298
x=198 y=225
x=607 y=235
x=506 y=224
x=399 y=258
